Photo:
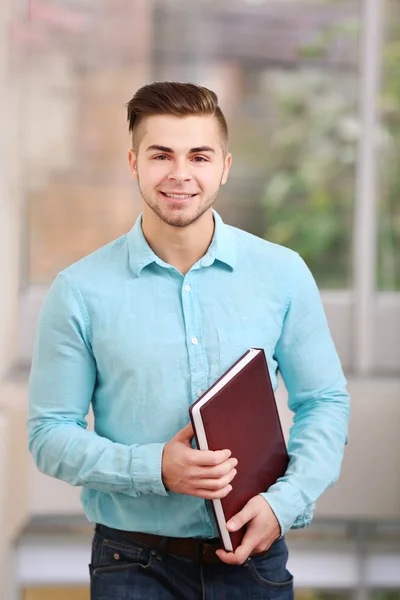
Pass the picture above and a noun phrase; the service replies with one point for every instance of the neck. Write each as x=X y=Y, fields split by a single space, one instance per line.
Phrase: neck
x=180 y=247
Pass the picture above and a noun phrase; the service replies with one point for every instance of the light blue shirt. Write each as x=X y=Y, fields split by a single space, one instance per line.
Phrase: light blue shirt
x=127 y=332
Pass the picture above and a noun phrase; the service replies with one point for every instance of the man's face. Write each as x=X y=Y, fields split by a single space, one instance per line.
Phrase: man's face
x=179 y=165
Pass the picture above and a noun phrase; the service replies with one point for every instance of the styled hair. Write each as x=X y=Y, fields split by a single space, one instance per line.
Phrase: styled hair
x=176 y=99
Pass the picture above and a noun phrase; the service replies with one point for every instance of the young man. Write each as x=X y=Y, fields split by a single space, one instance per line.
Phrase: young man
x=141 y=328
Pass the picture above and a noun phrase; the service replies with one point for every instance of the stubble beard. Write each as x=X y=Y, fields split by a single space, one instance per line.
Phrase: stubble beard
x=177 y=218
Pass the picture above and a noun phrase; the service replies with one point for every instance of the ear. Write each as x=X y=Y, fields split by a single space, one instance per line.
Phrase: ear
x=132 y=159
x=227 y=166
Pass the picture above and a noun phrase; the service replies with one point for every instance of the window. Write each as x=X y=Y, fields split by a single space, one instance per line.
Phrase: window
x=85 y=59
x=290 y=90
x=389 y=141
x=301 y=94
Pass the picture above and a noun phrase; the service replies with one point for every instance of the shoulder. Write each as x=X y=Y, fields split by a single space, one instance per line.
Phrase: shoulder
x=261 y=251
x=98 y=267
x=88 y=282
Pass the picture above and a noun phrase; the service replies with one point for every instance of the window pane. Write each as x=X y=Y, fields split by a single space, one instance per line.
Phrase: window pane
x=286 y=74
x=85 y=60
x=290 y=91
x=389 y=223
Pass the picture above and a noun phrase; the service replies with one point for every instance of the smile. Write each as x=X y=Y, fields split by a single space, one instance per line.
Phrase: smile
x=178 y=196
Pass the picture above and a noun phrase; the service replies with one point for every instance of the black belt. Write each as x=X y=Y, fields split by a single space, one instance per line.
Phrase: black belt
x=200 y=550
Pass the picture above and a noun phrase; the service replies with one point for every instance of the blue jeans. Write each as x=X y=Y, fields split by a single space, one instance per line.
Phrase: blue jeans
x=122 y=569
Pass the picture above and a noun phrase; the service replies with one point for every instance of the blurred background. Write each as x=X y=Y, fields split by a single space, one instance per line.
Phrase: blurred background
x=311 y=91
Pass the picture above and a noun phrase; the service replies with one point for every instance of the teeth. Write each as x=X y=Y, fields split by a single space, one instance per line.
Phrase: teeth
x=179 y=196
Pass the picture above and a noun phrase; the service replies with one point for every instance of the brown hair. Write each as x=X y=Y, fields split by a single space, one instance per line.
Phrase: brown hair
x=177 y=99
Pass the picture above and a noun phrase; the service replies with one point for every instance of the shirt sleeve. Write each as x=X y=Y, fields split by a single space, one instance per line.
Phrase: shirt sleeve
x=313 y=376
x=61 y=386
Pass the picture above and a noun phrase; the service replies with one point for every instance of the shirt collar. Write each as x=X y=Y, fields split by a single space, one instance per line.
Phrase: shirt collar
x=222 y=247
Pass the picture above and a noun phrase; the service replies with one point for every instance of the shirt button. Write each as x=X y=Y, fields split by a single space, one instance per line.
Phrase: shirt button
x=195 y=341
x=187 y=288
x=199 y=393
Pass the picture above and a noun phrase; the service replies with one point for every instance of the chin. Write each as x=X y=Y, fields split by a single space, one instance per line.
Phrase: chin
x=178 y=220
x=179 y=216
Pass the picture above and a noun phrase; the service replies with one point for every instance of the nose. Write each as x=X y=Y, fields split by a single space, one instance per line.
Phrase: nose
x=179 y=172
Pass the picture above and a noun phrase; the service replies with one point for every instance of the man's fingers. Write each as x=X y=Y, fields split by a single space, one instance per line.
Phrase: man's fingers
x=209 y=458
x=242 y=552
x=222 y=469
x=247 y=546
x=241 y=518
x=238 y=557
x=226 y=557
x=230 y=558
x=213 y=495
x=261 y=531
x=217 y=484
x=206 y=472
x=201 y=457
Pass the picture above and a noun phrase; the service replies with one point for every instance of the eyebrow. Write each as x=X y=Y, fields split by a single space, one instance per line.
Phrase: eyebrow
x=191 y=151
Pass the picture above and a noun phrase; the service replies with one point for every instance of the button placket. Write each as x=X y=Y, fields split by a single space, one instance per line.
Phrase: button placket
x=196 y=352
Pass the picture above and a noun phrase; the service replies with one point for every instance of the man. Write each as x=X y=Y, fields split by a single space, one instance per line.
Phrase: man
x=141 y=328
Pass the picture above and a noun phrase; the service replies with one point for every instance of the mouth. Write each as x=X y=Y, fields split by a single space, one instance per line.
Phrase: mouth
x=177 y=196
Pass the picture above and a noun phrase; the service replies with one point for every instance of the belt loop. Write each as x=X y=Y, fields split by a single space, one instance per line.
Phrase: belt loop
x=164 y=544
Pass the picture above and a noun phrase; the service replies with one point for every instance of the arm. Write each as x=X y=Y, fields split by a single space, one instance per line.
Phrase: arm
x=316 y=385
x=61 y=387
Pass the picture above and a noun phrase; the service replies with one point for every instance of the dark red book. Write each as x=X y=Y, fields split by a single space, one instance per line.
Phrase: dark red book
x=239 y=412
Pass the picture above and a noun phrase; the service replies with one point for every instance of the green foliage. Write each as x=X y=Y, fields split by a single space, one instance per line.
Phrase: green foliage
x=309 y=196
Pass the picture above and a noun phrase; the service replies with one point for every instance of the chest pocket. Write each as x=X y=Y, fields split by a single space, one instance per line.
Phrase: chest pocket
x=235 y=341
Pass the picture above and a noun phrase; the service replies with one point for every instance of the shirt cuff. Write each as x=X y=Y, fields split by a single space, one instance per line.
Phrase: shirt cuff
x=286 y=504
x=146 y=469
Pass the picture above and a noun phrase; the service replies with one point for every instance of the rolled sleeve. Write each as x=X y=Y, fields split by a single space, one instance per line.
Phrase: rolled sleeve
x=146 y=469
x=286 y=504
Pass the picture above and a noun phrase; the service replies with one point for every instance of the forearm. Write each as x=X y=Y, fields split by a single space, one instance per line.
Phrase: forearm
x=316 y=447
x=82 y=458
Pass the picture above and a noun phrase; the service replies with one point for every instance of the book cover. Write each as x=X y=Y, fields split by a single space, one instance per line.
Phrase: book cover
x=239 y=412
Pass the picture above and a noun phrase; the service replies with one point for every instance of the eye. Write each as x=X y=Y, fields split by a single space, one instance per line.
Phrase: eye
x=160 y=157
x=200 y=159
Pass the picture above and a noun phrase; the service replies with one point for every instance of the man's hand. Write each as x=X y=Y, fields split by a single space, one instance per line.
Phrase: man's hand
x=203 y=473
x=262 y=530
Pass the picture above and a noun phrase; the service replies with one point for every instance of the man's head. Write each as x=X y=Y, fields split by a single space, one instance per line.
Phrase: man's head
x=173 y=99
x=179 y=150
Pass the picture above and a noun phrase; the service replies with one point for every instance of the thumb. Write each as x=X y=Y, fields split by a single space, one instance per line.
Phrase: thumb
x=186 y=434
x=241 y=518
